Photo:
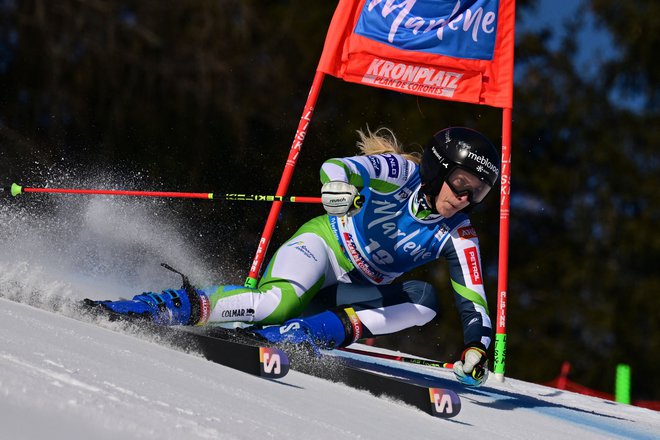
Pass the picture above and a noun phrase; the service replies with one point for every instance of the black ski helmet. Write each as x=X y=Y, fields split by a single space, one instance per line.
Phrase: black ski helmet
x=458 y=147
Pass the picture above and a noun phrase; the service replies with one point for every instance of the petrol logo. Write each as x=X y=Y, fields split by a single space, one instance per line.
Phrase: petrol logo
x=472 y=257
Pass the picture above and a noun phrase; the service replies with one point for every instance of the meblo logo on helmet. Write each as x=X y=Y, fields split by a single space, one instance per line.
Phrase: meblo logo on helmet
x=466 y=151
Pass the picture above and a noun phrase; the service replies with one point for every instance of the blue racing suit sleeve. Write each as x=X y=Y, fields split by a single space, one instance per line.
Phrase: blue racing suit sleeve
x=462 y=254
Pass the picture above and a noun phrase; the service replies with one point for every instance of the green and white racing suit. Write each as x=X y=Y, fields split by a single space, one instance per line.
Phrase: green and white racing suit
x=355 y=261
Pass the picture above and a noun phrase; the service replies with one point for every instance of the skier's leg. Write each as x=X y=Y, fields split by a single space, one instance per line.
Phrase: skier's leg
x=298 y=270
x=302 y=266
x=359 y=311
x=390 y=308
x=330 y=329
x=295 y=274
x=307 y=262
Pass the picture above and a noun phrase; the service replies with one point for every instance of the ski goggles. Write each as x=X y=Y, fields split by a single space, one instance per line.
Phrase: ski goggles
x=462 y=182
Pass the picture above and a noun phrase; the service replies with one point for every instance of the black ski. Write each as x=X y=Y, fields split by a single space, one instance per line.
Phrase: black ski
x=256 y=359
x=259 y=360
x=438 y=402
x=383 y=381
x=425 y=393
x=243 y=351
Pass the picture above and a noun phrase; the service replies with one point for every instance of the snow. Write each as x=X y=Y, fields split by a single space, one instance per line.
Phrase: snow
x=62 y=378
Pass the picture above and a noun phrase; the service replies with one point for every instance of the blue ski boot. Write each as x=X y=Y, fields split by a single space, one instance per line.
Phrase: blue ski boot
x=186 y=306
x=170 y=307
x=327 y=330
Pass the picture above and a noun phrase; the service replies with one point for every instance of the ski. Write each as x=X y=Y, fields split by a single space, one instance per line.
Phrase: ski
x=425 y=393
x=383 y=381
x=242 y=351
x=254 y=358
x=258 y=360
x=438 y=402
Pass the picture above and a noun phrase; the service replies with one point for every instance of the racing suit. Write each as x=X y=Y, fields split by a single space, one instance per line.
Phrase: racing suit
x=355 y=260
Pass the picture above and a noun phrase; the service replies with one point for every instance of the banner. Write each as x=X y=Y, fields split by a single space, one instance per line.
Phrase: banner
x=444 y=49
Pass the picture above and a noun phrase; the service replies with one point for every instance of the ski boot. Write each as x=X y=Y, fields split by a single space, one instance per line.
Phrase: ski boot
x=170 y=307
x=327 y=330
x=186 y=306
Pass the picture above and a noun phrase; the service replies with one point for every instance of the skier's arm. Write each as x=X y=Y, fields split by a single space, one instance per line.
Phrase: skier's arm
x=462 y=253
x=344 y=178
x=385 y=173
x=464 y=260
x=341 y=170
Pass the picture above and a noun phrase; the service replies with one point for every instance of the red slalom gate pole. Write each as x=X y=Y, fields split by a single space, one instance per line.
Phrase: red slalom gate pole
x=296 y=146
x=503 y=270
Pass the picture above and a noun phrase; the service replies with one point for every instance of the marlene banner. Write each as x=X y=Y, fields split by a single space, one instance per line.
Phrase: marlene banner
x=444 y=49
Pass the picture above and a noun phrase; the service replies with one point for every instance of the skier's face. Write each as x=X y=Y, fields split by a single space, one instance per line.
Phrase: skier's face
x=464 y=182
x=447 y=203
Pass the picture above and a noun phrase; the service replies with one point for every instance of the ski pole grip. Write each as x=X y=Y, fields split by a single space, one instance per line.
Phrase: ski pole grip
x=15 y=189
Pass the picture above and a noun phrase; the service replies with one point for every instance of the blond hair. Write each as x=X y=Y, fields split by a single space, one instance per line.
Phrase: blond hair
x=383 y=141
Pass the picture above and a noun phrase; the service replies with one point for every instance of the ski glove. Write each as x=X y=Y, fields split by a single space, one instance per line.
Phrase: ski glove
x=472 y=369
x=341 y=198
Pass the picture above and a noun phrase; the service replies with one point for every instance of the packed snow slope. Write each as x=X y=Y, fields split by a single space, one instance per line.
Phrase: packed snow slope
x=62 y=378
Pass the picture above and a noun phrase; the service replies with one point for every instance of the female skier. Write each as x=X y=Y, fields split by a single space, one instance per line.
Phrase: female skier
x=388 y=212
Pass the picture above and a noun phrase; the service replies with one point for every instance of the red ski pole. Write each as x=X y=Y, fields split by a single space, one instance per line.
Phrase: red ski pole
x=16 y=190
x=405 y=359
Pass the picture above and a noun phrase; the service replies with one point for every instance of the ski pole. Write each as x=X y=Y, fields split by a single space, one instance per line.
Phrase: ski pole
x=16 y=190
x=405 y=359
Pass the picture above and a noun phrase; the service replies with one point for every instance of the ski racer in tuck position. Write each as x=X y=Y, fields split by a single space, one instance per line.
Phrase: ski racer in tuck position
x=333 y=281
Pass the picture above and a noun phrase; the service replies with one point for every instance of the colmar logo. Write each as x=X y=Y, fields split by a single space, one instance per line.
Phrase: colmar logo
x=237 y=313
x=472 y=257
